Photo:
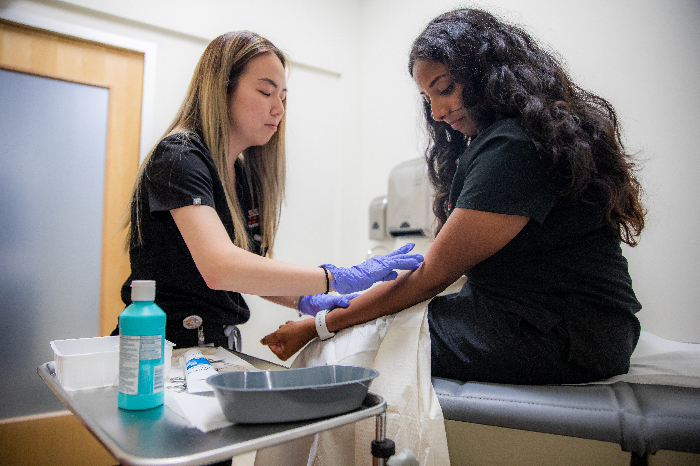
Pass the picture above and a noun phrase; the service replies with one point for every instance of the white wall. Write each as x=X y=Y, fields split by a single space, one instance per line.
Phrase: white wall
x=353 y=113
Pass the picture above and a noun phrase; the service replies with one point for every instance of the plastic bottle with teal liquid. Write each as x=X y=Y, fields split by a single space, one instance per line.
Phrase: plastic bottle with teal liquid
x=141 y=349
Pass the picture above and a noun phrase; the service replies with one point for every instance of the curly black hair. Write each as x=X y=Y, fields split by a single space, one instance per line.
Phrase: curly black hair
x=506 y=74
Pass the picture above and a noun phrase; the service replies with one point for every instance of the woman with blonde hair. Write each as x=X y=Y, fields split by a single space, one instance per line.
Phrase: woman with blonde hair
x=207 y=201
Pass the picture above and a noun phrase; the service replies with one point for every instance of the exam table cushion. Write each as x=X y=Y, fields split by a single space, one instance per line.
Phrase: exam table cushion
x=641 y=418
x=655 y=406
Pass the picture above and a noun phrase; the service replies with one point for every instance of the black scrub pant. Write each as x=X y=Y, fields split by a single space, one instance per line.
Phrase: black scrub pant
x=473 y=340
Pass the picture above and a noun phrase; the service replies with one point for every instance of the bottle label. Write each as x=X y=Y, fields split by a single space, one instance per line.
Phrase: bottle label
x=129 y=364
x=158 y=379
x=132 y=350
x=149 y=347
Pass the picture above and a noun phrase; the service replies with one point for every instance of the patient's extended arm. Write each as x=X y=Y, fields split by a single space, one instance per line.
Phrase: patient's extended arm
x=467 y=238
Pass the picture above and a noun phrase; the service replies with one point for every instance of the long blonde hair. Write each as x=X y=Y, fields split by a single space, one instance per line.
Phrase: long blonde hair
x=204 y=111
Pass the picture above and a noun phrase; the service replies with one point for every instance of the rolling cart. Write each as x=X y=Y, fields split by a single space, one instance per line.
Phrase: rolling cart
x=159 y=437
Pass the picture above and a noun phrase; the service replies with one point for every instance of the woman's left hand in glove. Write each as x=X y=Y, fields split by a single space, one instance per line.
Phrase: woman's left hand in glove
x=313 y=303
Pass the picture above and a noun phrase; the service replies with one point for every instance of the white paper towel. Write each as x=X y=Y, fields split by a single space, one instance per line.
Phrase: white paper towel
x=202 y=411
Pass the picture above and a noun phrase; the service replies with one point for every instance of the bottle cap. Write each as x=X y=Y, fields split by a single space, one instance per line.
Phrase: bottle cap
x=143 y=290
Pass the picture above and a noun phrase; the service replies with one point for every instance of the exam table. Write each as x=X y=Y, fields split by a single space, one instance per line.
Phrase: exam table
x=656 y=406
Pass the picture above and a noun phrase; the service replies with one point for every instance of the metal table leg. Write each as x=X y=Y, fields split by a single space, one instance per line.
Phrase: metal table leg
x=382 y=447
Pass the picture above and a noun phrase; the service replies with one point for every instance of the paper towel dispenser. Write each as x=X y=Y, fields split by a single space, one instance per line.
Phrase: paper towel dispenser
x=409 y=200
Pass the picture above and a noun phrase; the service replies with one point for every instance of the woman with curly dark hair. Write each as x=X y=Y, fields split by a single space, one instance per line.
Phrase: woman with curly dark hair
x=534 y=194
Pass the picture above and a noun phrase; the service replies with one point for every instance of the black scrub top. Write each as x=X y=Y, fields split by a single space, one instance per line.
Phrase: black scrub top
x=566 y=265
x=181 y=172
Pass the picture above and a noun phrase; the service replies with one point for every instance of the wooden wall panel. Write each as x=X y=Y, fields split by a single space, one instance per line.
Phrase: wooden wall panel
x=50 y=440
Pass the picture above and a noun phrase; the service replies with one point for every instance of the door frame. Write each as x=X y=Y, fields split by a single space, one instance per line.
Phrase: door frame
x=150 y=58
x=43 y=438
x=115 y=266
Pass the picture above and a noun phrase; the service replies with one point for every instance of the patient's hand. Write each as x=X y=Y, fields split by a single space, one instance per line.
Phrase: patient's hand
x=290 y=338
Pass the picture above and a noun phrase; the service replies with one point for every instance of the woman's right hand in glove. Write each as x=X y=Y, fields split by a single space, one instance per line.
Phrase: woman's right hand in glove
x=375 y=269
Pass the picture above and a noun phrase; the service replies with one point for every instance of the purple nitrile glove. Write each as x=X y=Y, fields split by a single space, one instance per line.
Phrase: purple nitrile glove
x=375 y=269
x=311 y=304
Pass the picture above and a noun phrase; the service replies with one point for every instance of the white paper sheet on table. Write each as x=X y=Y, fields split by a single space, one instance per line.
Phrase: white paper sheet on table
x=360 y=346
x=414 y=417
x=664 y=362
x=202 y=411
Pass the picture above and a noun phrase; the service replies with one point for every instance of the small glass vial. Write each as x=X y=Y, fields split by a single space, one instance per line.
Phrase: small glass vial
x=141 y=349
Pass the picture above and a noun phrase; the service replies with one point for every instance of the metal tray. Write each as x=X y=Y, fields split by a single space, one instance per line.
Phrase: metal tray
x=158 y=436
x=291 y=395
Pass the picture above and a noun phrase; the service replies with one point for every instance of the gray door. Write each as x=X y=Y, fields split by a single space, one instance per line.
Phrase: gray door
x=52 y=165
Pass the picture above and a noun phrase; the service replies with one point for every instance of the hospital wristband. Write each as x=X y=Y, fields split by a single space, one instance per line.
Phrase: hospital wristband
x=321 y=328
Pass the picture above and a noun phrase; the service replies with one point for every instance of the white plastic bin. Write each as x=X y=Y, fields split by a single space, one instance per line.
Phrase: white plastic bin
x=85 y=363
